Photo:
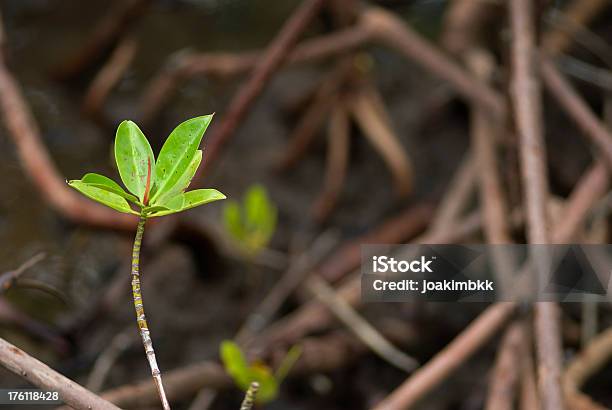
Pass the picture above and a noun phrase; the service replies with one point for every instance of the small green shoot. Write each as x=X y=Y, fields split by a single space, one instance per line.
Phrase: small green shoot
x=251 y=223
x=244 y=373
x=154 y=188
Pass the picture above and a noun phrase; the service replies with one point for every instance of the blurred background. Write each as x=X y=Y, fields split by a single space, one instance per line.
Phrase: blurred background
x=361 y=143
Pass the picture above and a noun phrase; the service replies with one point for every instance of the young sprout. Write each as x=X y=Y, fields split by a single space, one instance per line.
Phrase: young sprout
x=245 y=374
x=251 y=223
x=156 y=188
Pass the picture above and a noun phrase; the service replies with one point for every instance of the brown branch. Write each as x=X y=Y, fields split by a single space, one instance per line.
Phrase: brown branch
x=577 y=109
x=325 y=98
x=338 y=142
x=380 y=134
x=588 y=362
x=529 y=391
x=40 y=168
x=579 y=13
x=391 y=31
x=404 y=226
x=528 y=114
x=179 y=383
x=183 y=66
x=485 y=135
x=505 y=376
x=110 y=28
x=591 y=187
x=110 y=74
x=41 y=375
x=448 y=359
x=457 y=195
x=8 y=279
x=313 y=316
x=431 y=374
x=265 y=68
x=290 y=280
x=464 y=24
x=360 y=327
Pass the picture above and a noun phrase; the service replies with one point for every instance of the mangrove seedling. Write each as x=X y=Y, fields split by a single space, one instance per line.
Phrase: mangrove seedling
x=154 y=188
x=251 y=223
x=245 y=374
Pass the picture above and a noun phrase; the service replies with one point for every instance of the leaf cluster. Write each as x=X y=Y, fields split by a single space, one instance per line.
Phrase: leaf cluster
x=244 y=373
x=154 y=187
x=252 y=222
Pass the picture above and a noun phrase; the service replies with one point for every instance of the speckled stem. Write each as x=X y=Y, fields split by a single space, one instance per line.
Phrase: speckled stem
x=140 y=314
x=250 y=396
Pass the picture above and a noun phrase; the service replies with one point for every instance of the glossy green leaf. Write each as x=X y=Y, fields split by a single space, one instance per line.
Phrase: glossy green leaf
x=107 y=184
x=199 y=197
x=102 y=196
x=134 y=158
x=190 y=200
x=234 y=362
x=178 y=152
x=183 y=182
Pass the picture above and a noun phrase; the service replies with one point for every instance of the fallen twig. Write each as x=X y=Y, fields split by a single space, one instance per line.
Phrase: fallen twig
x=449 y=358
x=359 y=326
x=338 y=142
x=290 y=280
x=41 y=375
x=528 y=399
x=108 y=357
x=382 y=137
x=588 y=362
x=528 y=113
x=8 y=279
x=506 y=373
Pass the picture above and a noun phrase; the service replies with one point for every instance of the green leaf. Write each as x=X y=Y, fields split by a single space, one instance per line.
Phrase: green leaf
x=235 y=364
x=253 y=223
x=107 y=184
x=103 y=196
x=260 y=215
x=183 y=182
x=288 y=362
x=178 y=152
x=232 y=219
x=134 y=156
x=268 y=385
x=190 y=200
x=243 y=374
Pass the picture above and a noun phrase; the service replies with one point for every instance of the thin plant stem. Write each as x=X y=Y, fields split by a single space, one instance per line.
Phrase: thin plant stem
x=140 y=314
x=250 y=396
